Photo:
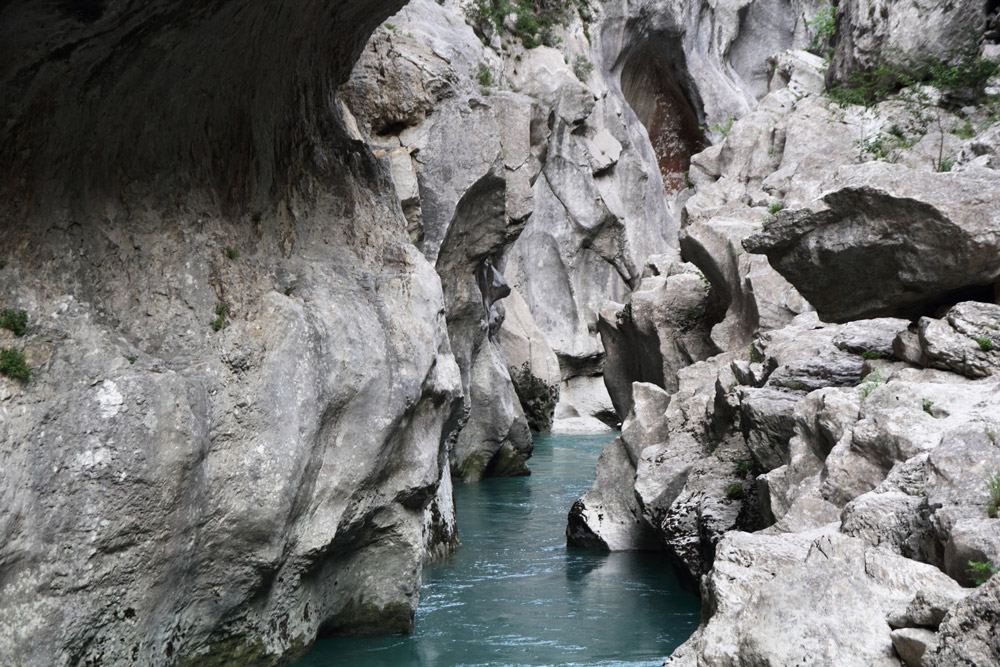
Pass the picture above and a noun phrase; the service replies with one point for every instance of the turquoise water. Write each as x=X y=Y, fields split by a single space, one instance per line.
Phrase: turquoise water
x=513 y=594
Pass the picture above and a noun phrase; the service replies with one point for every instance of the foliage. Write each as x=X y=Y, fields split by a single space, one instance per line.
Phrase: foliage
x=582 y=67
x=945 y=164
x=535 y=22
x=735 y=491
x=743 y=466
x=873 y=380
x=824 y=25
x=871 y=355
x=981 y=572
x=993 y=485
x=985 y=342
x=775 y=207
x=961 y=76
x=755 y=356
x=926 y=404
x=722 y=128
x=232 y=253
x=221 y=313
x=13 y=364
x=485 y=79
x=131 y=358
x=14 y=320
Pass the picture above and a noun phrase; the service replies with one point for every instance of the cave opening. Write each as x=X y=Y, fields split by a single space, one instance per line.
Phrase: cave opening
x=651 y=87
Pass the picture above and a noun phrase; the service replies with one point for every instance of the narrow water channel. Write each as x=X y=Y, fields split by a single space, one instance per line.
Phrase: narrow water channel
x=513 y=594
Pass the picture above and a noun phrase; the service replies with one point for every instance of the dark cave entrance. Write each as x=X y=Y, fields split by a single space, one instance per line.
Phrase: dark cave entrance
x=652 y=90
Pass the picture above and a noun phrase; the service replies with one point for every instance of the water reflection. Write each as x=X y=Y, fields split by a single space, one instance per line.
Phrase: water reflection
x=515 y=595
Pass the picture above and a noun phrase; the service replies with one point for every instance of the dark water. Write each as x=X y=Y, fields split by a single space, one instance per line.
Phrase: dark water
x=513 y=594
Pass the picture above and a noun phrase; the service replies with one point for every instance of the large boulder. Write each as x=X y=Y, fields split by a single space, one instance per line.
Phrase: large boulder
x=608 y=516
x=804 y=598
x=662 y=329
x=889 y=241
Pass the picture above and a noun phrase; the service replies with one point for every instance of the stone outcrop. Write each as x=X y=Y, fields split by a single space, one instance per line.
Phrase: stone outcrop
x=873 y=32
x=836 y=434
x=414 y=95
x=241 y=372
x=922 y=237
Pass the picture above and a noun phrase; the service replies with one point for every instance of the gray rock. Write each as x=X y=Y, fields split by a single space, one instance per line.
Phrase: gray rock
x=970 y=633
x=660 y=331
x=911 y=644
x=533 y=366
x=966 y=341
x=950 y=244
x=870 y=32
x=806 y=598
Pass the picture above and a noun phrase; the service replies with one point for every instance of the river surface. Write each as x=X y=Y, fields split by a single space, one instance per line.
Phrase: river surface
x=514 y=594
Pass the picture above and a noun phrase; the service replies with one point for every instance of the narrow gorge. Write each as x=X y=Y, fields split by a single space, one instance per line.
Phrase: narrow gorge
x=281 y=281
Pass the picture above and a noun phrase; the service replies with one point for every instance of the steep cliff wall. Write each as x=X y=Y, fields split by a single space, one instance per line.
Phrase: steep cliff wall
x=241 y=373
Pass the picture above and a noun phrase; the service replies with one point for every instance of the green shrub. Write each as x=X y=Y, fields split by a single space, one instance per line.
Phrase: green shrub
x=221 y=313
x=985 y=342
x=484 y=77
x=14 y=320
x=993 y=486
x=735 y=491
x=743 y=466
x=873 y=380
x=775 y=207
x=981 y=572
x=961 y=76
x=824 y=25
x=232 y=253
x=13 y=364
x=582 y=67
x=926 y=404
x=535 y=22
x=755 y=356
x=131 y=358
x=871 y=355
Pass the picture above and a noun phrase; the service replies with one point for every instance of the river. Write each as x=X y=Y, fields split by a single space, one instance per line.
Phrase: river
x=514 y=594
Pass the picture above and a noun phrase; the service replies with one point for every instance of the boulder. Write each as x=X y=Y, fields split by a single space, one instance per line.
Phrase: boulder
x=970 y=633
x=888 y=241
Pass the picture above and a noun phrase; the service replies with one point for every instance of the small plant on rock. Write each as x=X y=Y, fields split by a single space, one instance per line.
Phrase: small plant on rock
x=232 y=253
x=926 y=404
x=824 y=25
x=14 y=365
x=221 y=313
x=873 y=380
x=985 y=343
x=582 y=67
x=743 y=466
x=735 y=491
x=993 y=486
x=871 y=355
x=14 y=320
x=131 y=358
x=755 y=356
x=484 y=77
x=981 y=572
x=775 y=207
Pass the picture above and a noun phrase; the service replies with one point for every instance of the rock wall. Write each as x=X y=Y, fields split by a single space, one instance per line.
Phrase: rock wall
x=241 y=376
x=811 y=470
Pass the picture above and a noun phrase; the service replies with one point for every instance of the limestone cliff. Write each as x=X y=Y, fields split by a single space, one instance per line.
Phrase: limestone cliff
x=241 y=375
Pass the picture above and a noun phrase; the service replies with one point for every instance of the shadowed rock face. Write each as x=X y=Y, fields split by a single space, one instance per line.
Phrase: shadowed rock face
x=221 y=94
x=663 y=109
x=179 y=493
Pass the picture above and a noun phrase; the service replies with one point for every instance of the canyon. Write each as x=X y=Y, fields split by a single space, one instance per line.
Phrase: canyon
x=291 y=272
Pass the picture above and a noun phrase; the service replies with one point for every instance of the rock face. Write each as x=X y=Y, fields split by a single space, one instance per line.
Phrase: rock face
x=950 y=243
x=870 y=32
x=242 y=378
x=413 y=95
x=837 y=435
